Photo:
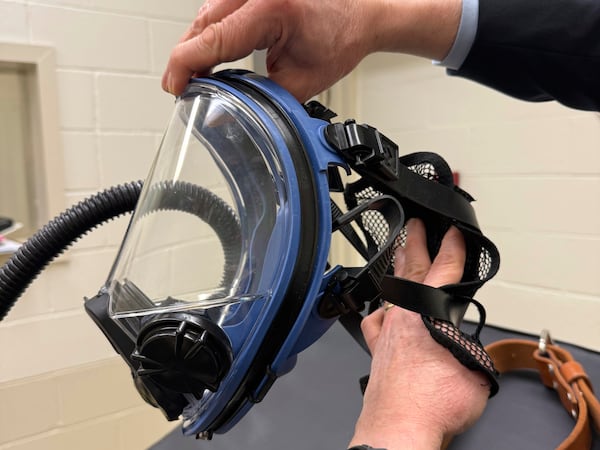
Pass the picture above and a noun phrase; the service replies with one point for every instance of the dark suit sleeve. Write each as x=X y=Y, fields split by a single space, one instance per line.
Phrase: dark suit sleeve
x=538 y=50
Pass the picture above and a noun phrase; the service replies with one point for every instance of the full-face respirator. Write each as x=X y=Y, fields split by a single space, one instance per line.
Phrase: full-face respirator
x=223 y=275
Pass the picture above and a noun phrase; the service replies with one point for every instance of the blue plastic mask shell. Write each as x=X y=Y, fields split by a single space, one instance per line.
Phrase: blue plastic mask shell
x=320 y=155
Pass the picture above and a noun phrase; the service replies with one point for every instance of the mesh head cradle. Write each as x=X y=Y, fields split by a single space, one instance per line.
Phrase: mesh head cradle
x=482 y=260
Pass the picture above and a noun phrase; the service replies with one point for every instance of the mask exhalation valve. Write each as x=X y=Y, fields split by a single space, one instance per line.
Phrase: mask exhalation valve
x=184 y=353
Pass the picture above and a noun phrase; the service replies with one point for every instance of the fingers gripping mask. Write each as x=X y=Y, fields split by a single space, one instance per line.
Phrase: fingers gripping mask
x=223 y=276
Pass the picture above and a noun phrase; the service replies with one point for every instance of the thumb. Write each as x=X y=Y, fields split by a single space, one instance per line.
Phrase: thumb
x=448 y=265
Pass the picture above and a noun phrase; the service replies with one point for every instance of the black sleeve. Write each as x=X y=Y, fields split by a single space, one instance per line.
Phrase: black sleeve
x=538 y=50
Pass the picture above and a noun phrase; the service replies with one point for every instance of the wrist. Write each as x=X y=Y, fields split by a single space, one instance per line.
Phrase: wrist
x=405 y=436
x=364 y=447
x=425 y=28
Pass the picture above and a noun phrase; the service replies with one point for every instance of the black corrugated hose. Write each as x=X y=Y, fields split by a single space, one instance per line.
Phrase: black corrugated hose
x=58 y=234
x=62 y=231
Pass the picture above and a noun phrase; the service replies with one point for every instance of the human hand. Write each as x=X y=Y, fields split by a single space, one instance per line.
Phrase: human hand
x=418 y=395
x=311 y=44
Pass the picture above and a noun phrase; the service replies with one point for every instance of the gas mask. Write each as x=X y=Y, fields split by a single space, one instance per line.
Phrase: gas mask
x=223 y=275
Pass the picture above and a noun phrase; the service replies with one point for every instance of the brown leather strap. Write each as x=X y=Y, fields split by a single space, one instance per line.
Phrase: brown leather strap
x=558 y=370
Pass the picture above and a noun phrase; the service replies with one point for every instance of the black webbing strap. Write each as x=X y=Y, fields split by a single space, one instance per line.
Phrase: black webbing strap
x=351 y=323
x=353 y=287
x=347 y=230
x=423 y=184
x=425 y=300
x=375 y=157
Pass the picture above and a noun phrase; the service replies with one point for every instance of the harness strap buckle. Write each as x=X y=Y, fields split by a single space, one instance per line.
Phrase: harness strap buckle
x=363 y=145
x=349 y=290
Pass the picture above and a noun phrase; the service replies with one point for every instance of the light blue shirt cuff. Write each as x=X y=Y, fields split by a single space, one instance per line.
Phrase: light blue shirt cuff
x=465 y=36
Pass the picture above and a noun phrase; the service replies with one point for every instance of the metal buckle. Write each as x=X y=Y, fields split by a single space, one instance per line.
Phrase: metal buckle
x=544 y=342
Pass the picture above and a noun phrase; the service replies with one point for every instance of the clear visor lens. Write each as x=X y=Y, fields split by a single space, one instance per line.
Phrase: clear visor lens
x=211 y=222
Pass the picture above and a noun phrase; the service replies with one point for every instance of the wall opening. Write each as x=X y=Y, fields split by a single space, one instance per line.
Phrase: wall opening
x=31 y=160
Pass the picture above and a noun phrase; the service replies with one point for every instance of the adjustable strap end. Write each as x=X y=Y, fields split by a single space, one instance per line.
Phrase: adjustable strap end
x=467 y=349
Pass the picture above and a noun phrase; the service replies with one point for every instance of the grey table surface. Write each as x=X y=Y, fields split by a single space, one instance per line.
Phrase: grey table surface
x=316 y=405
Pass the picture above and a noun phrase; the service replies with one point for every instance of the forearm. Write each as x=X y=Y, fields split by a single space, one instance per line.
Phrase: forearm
x=424 y=28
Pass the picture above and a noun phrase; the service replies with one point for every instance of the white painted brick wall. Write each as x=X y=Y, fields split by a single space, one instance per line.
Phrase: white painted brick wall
x=83 y=407
x=61 y=386
x=77 y=100
x=92 y=40
x=535 y=171
x=13 y=22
